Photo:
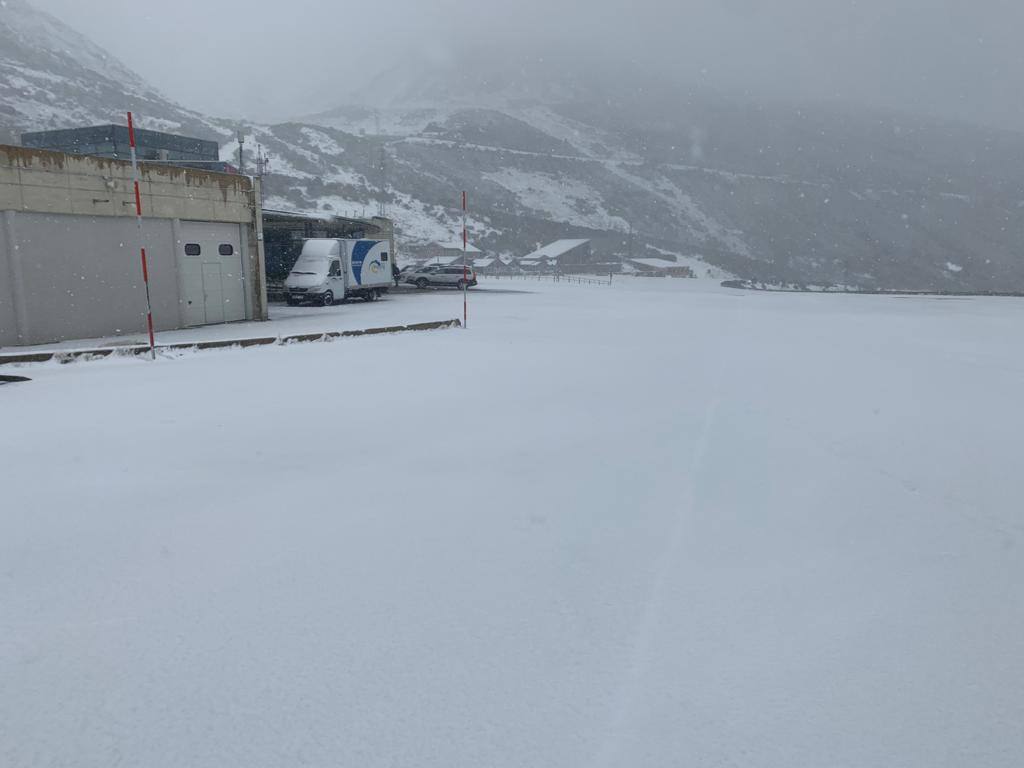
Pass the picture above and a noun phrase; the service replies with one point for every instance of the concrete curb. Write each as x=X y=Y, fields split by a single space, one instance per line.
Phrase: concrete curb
x=70 y=355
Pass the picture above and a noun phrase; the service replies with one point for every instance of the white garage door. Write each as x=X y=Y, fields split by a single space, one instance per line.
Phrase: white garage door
x=210 y=262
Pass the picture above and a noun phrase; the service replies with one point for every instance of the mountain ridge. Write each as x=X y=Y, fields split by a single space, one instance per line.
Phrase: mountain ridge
x=768 y=192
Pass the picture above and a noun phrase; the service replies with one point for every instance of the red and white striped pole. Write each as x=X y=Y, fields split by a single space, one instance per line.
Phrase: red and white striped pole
x=142 y=248
x=465 y=267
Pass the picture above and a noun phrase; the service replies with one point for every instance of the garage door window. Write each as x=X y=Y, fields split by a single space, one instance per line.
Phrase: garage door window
x=192 y=249
x=226 y=249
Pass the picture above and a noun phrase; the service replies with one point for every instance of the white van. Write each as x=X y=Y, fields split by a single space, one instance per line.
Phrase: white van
x=330 y=270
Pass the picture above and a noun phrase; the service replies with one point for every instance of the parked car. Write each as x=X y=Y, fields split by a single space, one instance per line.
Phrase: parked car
x=451 y=276
x=413 y=272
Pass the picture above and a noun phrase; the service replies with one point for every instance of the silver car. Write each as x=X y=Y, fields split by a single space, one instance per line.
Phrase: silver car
x=451 y=276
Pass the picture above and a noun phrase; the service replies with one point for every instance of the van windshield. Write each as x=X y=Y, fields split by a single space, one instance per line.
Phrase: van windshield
x=310 y=266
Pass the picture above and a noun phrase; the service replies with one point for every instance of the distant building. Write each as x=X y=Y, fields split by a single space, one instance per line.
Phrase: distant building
x=559 y=254
x=444 y=261
x=489 y=265
x=111 y=141
x=448 y=252
x=653 y=267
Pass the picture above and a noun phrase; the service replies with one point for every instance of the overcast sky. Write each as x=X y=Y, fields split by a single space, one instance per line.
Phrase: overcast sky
x=270 y=60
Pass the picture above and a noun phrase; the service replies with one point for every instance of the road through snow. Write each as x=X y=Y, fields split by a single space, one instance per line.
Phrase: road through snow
x=655 y=524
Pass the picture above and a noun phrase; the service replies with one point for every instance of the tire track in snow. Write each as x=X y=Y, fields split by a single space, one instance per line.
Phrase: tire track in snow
x=631 y=687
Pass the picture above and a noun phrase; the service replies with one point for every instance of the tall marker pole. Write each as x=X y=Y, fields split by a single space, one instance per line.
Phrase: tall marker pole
x=142 y=248
x=465 y=267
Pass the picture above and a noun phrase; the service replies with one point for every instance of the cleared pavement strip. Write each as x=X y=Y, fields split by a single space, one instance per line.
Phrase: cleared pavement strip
x=69 y=355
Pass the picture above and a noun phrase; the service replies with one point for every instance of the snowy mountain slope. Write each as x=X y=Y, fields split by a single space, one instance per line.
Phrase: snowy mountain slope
x=30 y=29
x=791 y=193
x=362 y=120
x=777 y=193
x=787 y=192
x=53 y=77
x=525 y=186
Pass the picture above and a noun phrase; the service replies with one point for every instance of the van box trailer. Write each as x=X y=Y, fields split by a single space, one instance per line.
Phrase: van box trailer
x=331 y=269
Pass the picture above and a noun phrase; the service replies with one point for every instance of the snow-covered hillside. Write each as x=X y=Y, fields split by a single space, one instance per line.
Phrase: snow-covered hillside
x=783 y=193
x=775 y=193
x=53 y=77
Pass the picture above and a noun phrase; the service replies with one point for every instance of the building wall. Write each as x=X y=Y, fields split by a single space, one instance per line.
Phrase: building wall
x=113 y=141
x=81 y=276
x=454 y=253
x=69 y=251
x=578 y=255
x=11 y=300
x=648 y=270
x=52 y=182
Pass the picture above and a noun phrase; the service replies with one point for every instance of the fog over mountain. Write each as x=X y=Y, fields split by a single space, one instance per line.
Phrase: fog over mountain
x=271 y=61
x=718 y=140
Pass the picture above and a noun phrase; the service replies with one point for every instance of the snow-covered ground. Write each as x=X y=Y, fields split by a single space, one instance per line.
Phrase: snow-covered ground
x=653 y=524
x=396 y=308
x=557 y=199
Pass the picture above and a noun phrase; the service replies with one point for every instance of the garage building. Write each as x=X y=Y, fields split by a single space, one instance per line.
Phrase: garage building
x=561 y=255
x=452 y=250
x=69 y=247
x=656 y=267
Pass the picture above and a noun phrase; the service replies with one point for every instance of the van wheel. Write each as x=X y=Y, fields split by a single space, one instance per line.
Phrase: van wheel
x=370 y=296
x=421 y=283
x=328 y=299
x=293 y=302
x=461 y=285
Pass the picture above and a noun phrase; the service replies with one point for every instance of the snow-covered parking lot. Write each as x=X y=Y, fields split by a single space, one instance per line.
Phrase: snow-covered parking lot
x=655 y=524
x=400 y=307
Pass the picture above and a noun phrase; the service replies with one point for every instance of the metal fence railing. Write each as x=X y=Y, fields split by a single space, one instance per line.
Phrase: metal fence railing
x=554 y=278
